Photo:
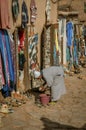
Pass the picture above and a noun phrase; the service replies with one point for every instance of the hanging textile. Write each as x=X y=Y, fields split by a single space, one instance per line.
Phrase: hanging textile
x=15 y=9
x=75 y=52
x=2 y=80
x=21 y=60
x=60 y=34
x=13 y=50
x=4 y=56
x=33 y=11
x=24 y=15
x=70 y=38
x=69 y=30
x=56 y=48
x=4 y=14
x=21 y=55
x=56 y=41
x=32 y=50
x=7 y=62
x=48 y=10
x=21 y=34
x=10 y=62
x=4 y=42
x=64 y=41
x=5 y=89
x=55 y=57
x=46 y=47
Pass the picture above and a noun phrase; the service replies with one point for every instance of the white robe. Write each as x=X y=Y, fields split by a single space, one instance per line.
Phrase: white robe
x=54 y=77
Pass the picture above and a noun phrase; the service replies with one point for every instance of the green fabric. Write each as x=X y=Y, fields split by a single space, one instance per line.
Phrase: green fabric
x=68 y=54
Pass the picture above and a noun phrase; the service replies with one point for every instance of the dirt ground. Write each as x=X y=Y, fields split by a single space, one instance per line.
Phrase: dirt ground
x=69 y=113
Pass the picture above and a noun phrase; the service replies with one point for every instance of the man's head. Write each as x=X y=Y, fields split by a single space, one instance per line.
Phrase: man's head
x=37 y=74
x=33 y=66
x=36 y=70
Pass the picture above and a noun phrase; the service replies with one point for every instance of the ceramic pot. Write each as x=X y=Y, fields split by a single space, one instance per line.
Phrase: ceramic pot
x=44 y=98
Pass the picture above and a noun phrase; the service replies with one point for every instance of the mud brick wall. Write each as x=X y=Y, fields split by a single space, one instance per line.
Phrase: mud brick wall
x=77 y=5
x=40 y=21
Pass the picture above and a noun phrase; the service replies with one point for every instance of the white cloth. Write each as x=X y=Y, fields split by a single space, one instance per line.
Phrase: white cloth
x=48 y=9
x=64 y=42
x=36 y=73
x=54 y=77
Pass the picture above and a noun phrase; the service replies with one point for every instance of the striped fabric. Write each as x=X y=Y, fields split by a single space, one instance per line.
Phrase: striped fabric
x=7 y=62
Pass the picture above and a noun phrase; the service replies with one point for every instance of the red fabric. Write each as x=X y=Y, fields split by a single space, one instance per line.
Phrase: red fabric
x=21 y=40
x=4 y=14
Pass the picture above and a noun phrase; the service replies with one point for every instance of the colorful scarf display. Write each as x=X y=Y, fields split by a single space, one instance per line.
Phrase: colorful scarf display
x=32 y=50
x=46 y=62
x=8 y=67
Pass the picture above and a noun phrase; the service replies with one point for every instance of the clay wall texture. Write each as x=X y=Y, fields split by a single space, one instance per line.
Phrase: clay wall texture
x=40 y=21
x=77 y=5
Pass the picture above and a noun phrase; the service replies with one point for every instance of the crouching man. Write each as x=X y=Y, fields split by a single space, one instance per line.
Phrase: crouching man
x=54 y=77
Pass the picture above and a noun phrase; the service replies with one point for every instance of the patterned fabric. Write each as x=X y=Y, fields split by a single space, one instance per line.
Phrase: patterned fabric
x=7 y=62
x=6 y=58
x=46 y=60
x=13 y=52
x=48 y=10
x=15 y=9
x=3 y=53
x=32 y=52
x=10 y=62
x=33 y=41
x=55 y=57
x=24 y=15
x=21 y=60
x=33 y=11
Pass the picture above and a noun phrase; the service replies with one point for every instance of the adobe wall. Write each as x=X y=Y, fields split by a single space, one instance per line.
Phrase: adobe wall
x=40 y=21
x=77 y=5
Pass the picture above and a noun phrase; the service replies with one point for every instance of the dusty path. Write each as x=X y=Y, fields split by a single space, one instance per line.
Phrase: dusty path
x=69 y=113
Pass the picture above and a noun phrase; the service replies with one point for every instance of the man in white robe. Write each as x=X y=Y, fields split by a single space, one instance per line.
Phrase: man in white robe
x=54 y=76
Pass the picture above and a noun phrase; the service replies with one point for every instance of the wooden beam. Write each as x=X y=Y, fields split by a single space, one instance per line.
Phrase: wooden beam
x=67 y=13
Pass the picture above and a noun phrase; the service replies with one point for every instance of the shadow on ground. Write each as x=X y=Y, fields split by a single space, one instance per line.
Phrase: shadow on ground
x=50 y=125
